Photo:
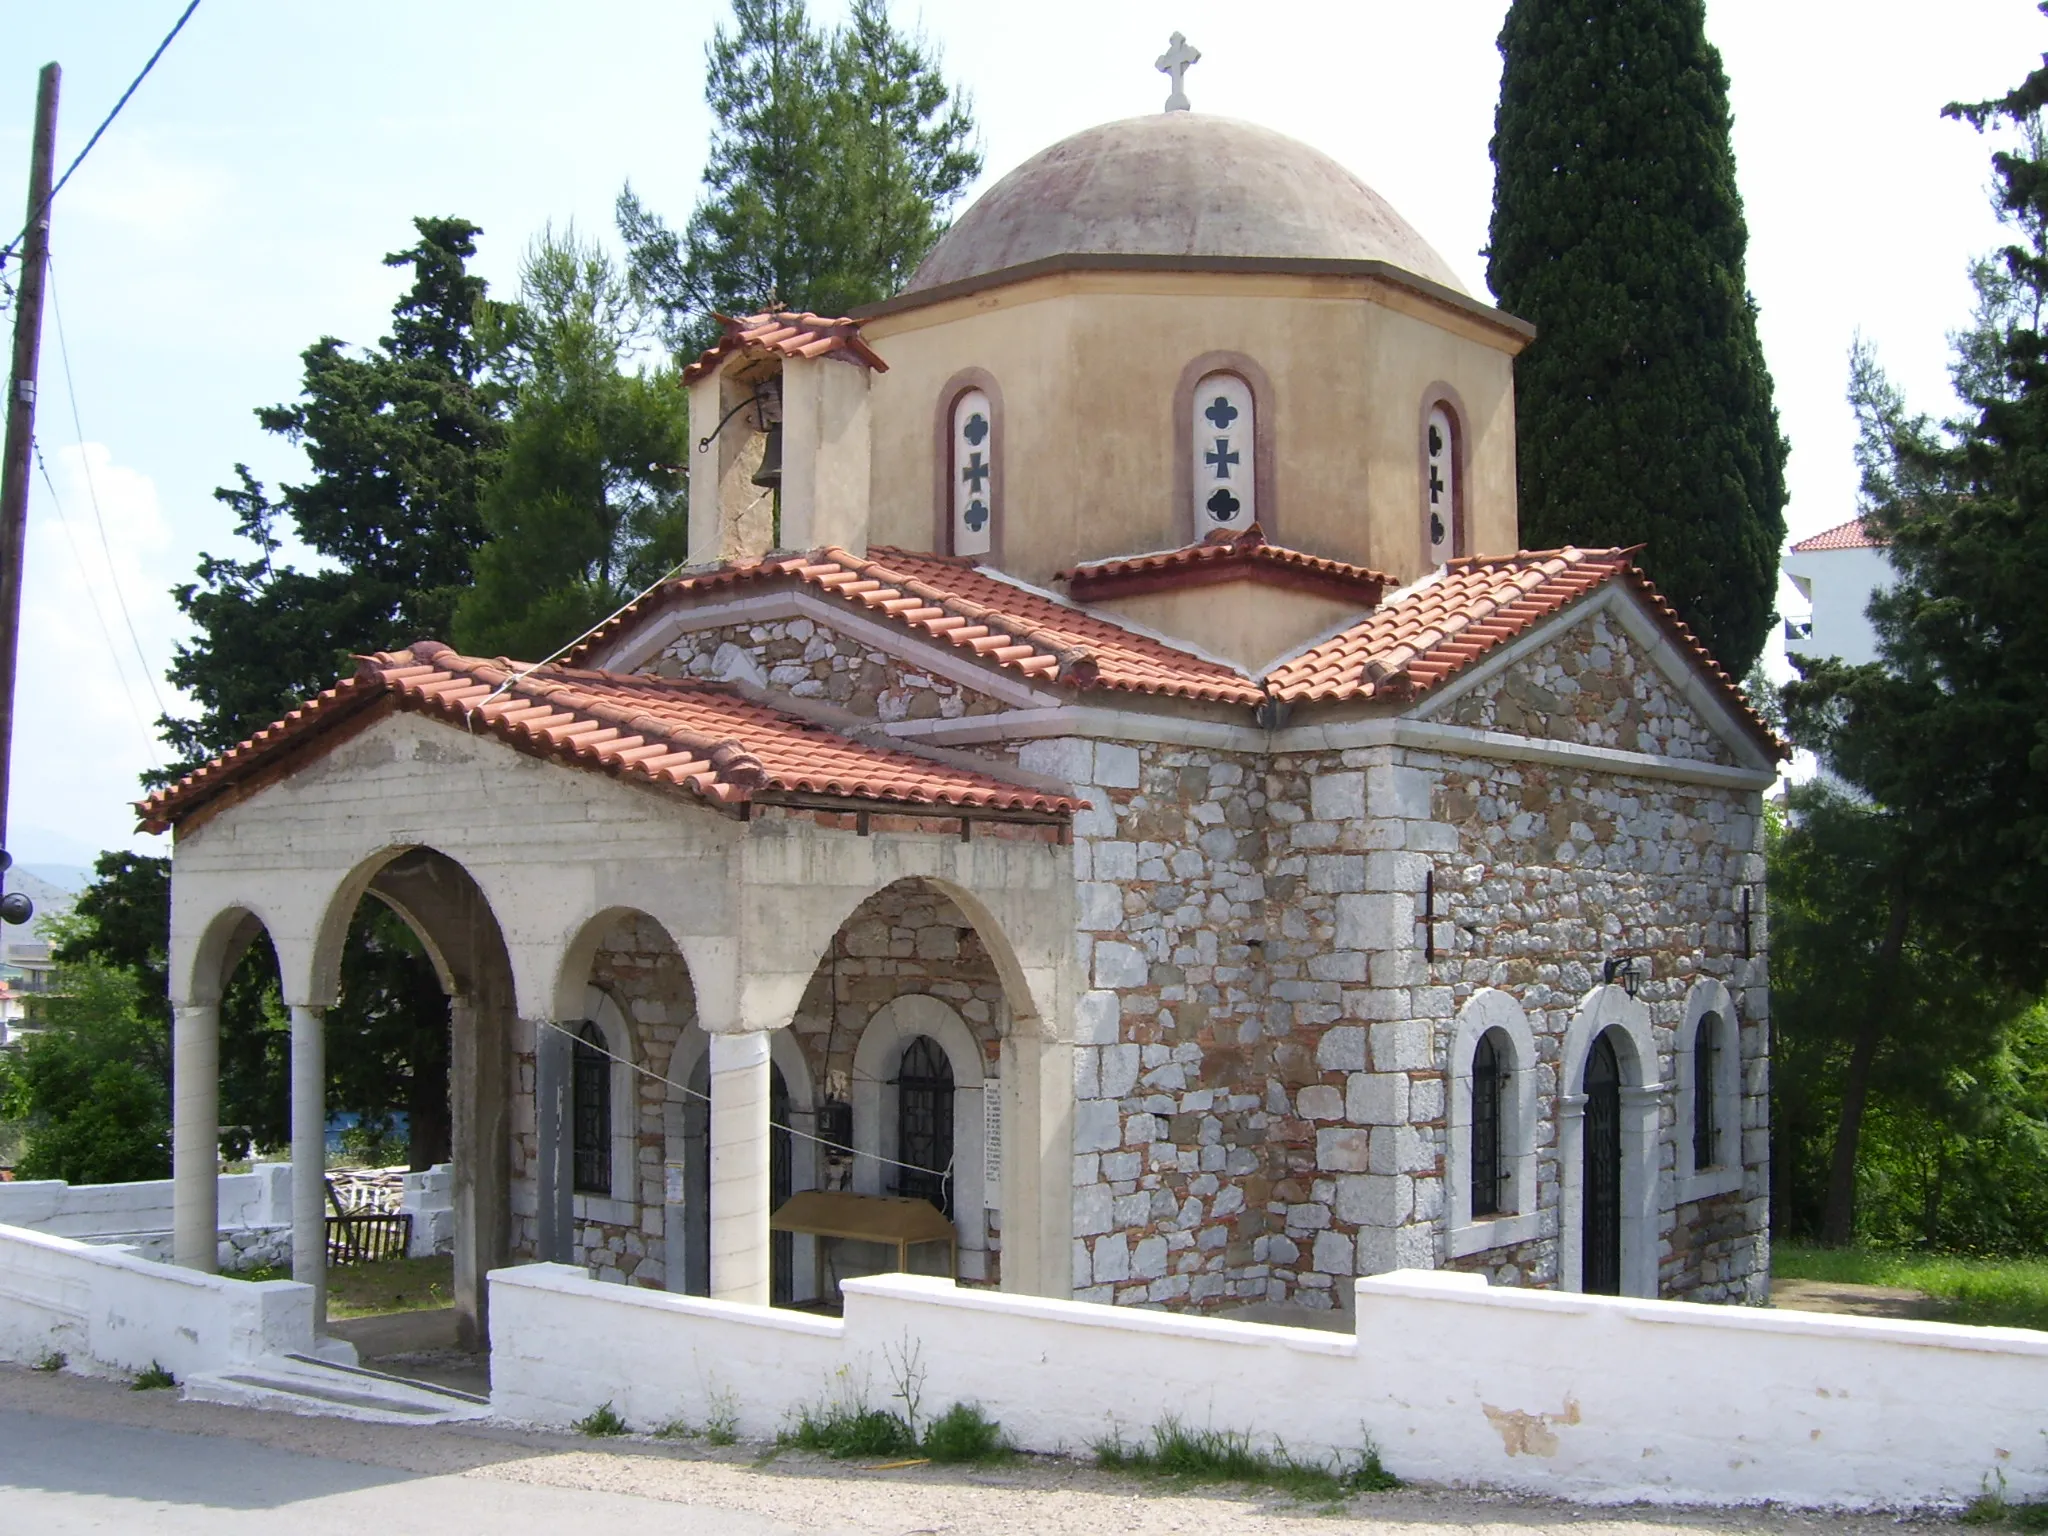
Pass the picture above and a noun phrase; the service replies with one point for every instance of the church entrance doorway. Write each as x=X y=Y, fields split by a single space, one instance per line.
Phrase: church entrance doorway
x=1601 y=1238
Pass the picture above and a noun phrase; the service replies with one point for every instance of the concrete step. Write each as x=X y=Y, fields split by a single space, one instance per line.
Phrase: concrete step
x=302 y=1384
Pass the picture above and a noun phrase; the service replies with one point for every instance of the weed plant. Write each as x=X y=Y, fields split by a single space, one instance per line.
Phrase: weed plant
x=1227 y=1456
x=602 y=1421
x=55 y=1360
x=154 y=1379
x=963 y=1433
x=1992 y=1507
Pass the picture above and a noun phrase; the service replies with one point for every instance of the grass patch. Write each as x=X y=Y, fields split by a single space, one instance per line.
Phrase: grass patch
x=2008 y=1293
x=1227 y=1456
x=846 y=1431
x=55 y=1360
x=371 y=1290
x=1991 y=1507
x=600 y=1421
x=154 y=1379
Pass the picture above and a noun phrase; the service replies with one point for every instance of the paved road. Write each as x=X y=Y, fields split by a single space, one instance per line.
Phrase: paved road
x=65 y=1475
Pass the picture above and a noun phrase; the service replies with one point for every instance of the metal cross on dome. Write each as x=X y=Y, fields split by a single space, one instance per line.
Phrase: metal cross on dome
x=1174 y=62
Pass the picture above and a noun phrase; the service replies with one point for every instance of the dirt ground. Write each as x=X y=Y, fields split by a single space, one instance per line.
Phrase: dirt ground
x=1033 y=1495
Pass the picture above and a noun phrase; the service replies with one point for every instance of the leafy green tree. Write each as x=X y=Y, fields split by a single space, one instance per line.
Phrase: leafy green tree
x=399 y=439
x=92 y=1087
x=1870 y=999
x=585 y=507
x=834 y=160
x=1644 y=410
x=1949 y=729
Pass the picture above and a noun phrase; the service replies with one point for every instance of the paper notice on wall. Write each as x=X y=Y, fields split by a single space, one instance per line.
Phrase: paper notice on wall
x=672 y=1184
x=992 y=1144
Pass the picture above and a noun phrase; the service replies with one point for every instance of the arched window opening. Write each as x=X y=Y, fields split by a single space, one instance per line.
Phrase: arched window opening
x=924 y=1124
x=1443 y=518
x=1489 y=1166
x=591 y=1111
x=1225 y=468
x=1706 y=1137
x=1600 y=1270
x=781 y=1184
x=972 y=475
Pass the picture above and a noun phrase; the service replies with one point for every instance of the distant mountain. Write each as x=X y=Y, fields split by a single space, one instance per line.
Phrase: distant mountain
x=70 y=879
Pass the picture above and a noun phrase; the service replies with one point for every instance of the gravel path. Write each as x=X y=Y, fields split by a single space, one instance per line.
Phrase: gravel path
x=804 y=1493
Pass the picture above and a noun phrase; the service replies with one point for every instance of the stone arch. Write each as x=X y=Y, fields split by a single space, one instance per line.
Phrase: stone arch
x=1708 y=999
x=1609 y=1011
x=1493 y=1012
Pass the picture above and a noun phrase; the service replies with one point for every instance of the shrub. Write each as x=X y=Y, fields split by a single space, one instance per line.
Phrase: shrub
x=964 y=1433
x=154 y=1379
x=601 y=1421
x=845 y=1430
x=55 y=1360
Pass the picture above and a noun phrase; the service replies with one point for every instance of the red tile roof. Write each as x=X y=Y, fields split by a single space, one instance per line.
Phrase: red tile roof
x=704 y=739
x=954 y=600
x=1226 y=556
x=1849 y=535
x=1422 y=639
x=786 y=334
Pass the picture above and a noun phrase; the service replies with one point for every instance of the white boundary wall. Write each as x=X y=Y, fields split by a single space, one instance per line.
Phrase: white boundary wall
x=255 y=1213
x=106 y=1309
x=1600 y=1398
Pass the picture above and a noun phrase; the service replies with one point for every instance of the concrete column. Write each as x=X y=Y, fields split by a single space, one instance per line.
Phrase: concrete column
x=552 y=1130
x=195 y=1137
x=309 y=1155
x=1038 y=1164
x=739 y=1166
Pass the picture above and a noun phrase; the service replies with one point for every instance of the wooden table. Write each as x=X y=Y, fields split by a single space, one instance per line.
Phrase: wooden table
x=891 y=1220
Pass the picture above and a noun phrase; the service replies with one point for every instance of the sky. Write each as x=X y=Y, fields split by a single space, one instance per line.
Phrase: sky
x=239 y=207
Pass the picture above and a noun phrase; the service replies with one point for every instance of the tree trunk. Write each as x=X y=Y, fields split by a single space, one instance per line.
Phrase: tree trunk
x=1838 y=1221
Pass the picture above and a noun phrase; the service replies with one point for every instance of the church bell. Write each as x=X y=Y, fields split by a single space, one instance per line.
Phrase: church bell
x=769 y=475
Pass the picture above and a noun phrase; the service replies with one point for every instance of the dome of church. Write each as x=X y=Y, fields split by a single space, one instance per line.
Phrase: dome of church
x=1178 y=184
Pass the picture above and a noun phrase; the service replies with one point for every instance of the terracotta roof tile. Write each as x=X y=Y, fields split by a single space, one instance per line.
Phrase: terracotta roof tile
x=1849 y=535
x=1426 y=636
x=786 y=334
x=1226 y=556
x=702 y=738
x=954 y=600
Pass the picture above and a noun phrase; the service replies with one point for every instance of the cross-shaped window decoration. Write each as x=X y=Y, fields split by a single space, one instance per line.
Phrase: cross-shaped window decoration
x=976 y=515
x=976 y=472
x=1222 y=458
x=976 y=429
x=1436 y=486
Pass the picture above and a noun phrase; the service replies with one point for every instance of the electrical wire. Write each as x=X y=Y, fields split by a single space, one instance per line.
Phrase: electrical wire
x=691 y=1093
x=106 y=122
x=92 y=492
x=92 y=597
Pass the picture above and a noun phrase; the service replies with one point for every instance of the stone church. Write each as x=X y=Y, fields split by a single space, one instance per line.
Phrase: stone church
x=1112 y=778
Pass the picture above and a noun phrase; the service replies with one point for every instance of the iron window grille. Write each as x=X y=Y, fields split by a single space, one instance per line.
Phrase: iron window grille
x=591 y=1112
x=924 y=1123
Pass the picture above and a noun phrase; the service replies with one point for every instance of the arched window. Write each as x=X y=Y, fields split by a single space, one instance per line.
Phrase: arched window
x=1224 y=472
x=1488 y=1166
x=1600 y=1236
x=1706 y=1077
x=1443 y=511
x=591 y=1111
x=972 y=474
x=924 y=1123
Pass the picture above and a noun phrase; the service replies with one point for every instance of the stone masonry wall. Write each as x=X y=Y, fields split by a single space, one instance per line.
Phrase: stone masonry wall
x=1592 y=685
x=814 y=662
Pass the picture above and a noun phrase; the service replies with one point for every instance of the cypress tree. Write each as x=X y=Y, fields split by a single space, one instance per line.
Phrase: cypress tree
x=1644 y=407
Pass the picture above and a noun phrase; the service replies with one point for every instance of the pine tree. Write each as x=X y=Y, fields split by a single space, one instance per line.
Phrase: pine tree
x=1644 y=407
x=834 y=160
x=585 y=505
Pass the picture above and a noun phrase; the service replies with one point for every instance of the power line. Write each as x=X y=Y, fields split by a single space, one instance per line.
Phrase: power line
x=92 y=490
x=99 y=617
x=104 y=124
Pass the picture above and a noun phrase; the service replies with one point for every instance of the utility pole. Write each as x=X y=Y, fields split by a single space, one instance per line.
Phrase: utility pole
x=21 y=436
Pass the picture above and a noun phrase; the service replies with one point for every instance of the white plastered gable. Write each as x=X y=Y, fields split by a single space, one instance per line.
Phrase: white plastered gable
x=1679 y=714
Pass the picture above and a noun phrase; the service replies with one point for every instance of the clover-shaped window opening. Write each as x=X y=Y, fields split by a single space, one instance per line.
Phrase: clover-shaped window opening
x=971 y=474
x=1224 y=470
